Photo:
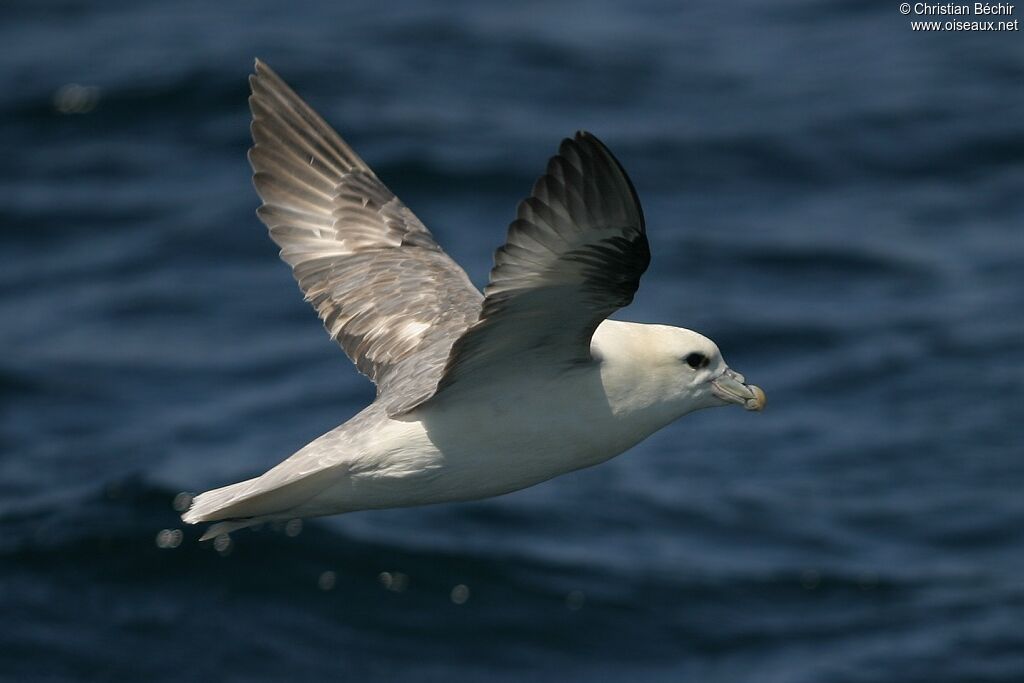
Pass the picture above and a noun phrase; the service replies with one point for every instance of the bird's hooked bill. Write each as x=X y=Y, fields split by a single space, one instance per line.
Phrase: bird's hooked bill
x=731 y=387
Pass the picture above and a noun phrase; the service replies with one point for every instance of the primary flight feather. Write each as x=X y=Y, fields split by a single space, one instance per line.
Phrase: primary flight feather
x=477 y=395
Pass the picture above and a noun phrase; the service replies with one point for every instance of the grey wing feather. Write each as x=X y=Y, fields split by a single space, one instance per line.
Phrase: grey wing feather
x=385 y=290
x=574 y=255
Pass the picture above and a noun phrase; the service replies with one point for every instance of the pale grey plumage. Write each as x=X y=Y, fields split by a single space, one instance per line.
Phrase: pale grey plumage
x=407 y=315
x=384 y=289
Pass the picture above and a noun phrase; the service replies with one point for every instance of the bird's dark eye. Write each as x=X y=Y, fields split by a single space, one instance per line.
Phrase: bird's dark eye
x=697 y=361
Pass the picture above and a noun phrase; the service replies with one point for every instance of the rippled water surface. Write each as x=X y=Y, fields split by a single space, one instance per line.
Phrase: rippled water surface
x=835 y=199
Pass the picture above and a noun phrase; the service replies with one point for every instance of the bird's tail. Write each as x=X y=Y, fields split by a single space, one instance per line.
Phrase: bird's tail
x=228 y=526
x=253 y=501
x=214 y=505
x=219 y=505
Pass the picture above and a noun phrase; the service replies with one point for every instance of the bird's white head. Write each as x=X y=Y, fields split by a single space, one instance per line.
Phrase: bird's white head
x=677 y=369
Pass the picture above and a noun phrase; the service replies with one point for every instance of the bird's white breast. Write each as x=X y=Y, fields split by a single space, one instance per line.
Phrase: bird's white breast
x=501 y=434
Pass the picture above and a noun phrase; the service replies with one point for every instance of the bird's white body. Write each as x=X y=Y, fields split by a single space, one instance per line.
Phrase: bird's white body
x=478 y=442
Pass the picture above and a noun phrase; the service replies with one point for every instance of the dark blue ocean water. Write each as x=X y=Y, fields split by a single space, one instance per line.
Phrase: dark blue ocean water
x=837 y=200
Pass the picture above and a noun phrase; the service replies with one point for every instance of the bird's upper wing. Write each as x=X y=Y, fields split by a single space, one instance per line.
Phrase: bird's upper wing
x=384 y=289
x=574 y=255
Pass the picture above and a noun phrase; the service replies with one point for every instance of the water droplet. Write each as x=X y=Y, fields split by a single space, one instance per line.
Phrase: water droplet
x=222 y=544
x=395 y=582
x=575 y=600
x=182 y=501
x=169 y=538
x=810 y=579
x=327 y=580
x=76 y=99
x=460 y=594
x=293 y=528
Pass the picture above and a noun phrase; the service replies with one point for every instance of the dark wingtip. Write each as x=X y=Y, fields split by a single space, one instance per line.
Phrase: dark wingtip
x=588 y=138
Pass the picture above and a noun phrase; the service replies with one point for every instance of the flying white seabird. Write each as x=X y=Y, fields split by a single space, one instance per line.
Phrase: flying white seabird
x=477 y=395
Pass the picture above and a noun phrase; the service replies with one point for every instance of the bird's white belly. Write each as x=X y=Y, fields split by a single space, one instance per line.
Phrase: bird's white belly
x=487 y=445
